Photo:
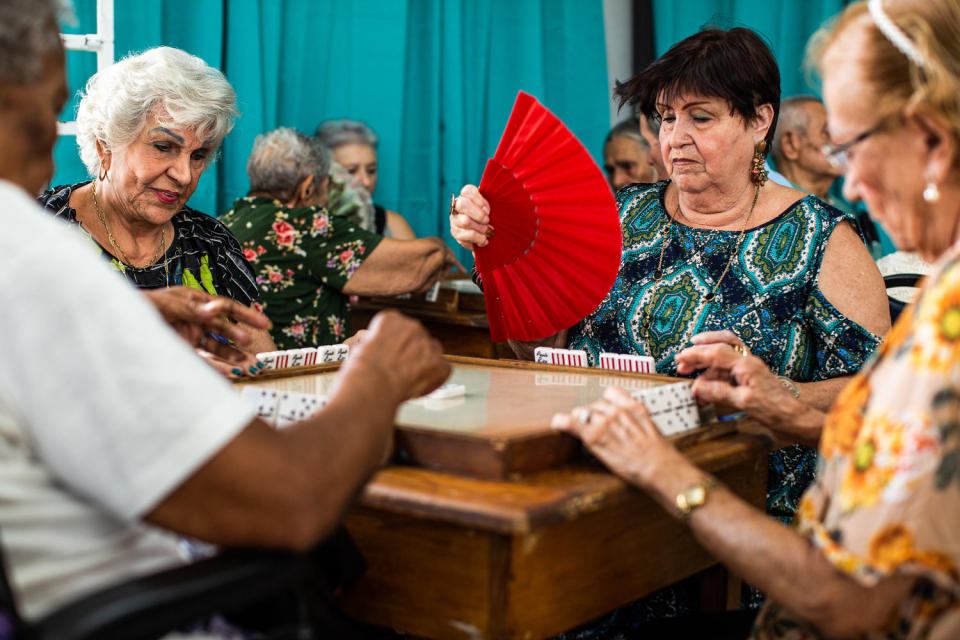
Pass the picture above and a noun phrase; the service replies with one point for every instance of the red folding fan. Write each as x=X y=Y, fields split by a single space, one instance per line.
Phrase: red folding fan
x=556 y=248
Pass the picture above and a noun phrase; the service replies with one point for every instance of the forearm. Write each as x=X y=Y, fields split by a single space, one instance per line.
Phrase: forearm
x=286 y=488
x=782 y=564
x=398 y=266
x=524 y=349
x=821 y=394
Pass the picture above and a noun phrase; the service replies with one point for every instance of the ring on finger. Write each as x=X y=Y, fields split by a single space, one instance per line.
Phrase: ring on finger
x=584 y=415
x=741 y=349
x=453 y=204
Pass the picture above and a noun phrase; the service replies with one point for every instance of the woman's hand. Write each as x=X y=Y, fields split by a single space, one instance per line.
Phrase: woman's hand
x=470 y=219
x=733 y=376
x=246 y=367
x=619 y=431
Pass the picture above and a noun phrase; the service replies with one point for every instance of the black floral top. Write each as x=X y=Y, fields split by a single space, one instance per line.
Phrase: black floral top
x=202 y=253
x=303 y=257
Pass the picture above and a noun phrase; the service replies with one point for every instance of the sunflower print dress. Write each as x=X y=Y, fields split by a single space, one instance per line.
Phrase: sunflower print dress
x=886 y=499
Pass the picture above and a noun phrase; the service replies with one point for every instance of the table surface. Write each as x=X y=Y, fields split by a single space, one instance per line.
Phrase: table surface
x=502 y=398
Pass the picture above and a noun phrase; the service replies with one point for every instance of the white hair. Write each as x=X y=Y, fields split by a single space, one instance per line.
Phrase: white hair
x=336 y=133
x=793 y=117
x=182 y=90
x=282 y=158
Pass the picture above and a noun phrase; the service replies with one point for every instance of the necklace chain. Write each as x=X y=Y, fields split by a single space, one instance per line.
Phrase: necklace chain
x=733 y=254
x=113 y=243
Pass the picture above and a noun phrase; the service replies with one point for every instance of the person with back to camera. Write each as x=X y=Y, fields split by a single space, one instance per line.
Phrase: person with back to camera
x=148 y=127
x=309 y=261
x=874 y=552
x=116 y=440
x=354 y=147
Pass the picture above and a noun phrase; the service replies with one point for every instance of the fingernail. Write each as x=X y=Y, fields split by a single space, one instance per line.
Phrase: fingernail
x=237 y=372
x=260 y=365
x=253 y=370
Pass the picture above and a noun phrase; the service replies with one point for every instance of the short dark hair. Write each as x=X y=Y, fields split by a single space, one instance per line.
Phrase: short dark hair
x=734 y=65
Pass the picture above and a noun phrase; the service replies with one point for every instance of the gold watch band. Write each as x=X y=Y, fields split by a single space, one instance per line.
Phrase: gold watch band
x=694 y=496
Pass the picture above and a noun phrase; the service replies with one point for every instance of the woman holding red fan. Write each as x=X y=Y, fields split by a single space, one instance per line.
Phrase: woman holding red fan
x=718 y=252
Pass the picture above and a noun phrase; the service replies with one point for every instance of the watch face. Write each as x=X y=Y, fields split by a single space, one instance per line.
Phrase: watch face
x=696 y=496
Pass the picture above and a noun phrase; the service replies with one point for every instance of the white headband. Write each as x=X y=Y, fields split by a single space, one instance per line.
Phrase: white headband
x=893 y=33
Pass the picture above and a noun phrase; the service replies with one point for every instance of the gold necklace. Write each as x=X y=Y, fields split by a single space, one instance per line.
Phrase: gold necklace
x=116 y=247
x=658 y=274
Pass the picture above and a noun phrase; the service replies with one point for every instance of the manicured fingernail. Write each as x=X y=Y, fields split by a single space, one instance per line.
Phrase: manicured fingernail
x=237 y=372
x=260 y=365
x=253 y=370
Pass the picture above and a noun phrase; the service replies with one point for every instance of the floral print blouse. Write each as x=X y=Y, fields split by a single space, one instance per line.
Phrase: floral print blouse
x=886 y=498
x=302 y=257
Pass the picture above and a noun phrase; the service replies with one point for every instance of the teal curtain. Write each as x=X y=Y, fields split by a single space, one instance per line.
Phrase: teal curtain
x=435 y=78
x=786 y=27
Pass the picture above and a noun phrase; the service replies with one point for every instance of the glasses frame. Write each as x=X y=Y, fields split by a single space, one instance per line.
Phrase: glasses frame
x=838 y=155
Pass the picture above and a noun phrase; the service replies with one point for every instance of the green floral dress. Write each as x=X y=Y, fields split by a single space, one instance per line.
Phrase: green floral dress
x=302 y=257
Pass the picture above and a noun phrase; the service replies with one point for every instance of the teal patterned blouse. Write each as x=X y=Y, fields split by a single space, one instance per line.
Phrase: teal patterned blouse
x=769 y=298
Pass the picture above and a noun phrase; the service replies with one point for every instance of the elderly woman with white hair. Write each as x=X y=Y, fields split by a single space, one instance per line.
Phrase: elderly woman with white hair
x=147 y=128
x=354 y=147
x=309 y=261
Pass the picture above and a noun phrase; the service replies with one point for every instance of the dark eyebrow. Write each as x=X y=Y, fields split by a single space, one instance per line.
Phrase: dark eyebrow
x=168 y=132
x=685 y=105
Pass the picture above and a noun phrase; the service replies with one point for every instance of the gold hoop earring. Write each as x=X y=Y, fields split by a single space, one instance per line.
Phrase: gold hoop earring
x=758 y=172
x=103 y=173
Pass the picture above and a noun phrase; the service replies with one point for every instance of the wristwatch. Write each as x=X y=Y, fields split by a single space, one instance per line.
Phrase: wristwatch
x=694 y=496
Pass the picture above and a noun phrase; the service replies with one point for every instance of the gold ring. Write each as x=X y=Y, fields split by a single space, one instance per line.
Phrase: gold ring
x=741 y=349
x=453 y=203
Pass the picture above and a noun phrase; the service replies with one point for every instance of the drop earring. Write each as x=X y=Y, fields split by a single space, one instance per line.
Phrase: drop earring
x=758 y=172
x=931 y=193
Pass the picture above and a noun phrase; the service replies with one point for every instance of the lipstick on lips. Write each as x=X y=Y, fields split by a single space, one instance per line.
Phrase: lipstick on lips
x=166 y=197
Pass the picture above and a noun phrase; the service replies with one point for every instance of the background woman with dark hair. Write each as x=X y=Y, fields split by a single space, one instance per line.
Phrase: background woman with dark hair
x=717 y=248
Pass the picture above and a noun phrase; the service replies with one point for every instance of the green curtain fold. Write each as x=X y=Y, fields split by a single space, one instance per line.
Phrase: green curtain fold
x=786 y=26
x=435 y=78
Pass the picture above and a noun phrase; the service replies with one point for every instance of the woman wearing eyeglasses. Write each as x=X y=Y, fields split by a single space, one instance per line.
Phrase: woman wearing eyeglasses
x=875 y=551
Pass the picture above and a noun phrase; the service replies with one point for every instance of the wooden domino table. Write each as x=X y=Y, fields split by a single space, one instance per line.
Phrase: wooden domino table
x=491 y=526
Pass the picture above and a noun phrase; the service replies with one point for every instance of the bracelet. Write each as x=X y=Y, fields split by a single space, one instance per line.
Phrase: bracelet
x=790 y=385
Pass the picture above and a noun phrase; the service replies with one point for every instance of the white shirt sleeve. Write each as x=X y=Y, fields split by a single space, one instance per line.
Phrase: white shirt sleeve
x=117 y=406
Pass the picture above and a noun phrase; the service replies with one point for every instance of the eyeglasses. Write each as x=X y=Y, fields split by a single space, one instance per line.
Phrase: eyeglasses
x=838 y=155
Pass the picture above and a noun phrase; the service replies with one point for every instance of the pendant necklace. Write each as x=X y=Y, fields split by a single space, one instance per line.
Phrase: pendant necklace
x=123 y=256
x=658 y=274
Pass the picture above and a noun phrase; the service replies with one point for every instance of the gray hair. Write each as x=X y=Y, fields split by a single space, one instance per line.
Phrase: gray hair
x=282 y=158
x=28 y=32
x=793 y=117
x=336 y=133
x=628 y=129
x=183 y=90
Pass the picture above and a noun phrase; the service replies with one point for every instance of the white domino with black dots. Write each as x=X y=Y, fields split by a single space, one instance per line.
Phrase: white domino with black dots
x=282 y=408
x=303 y=357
